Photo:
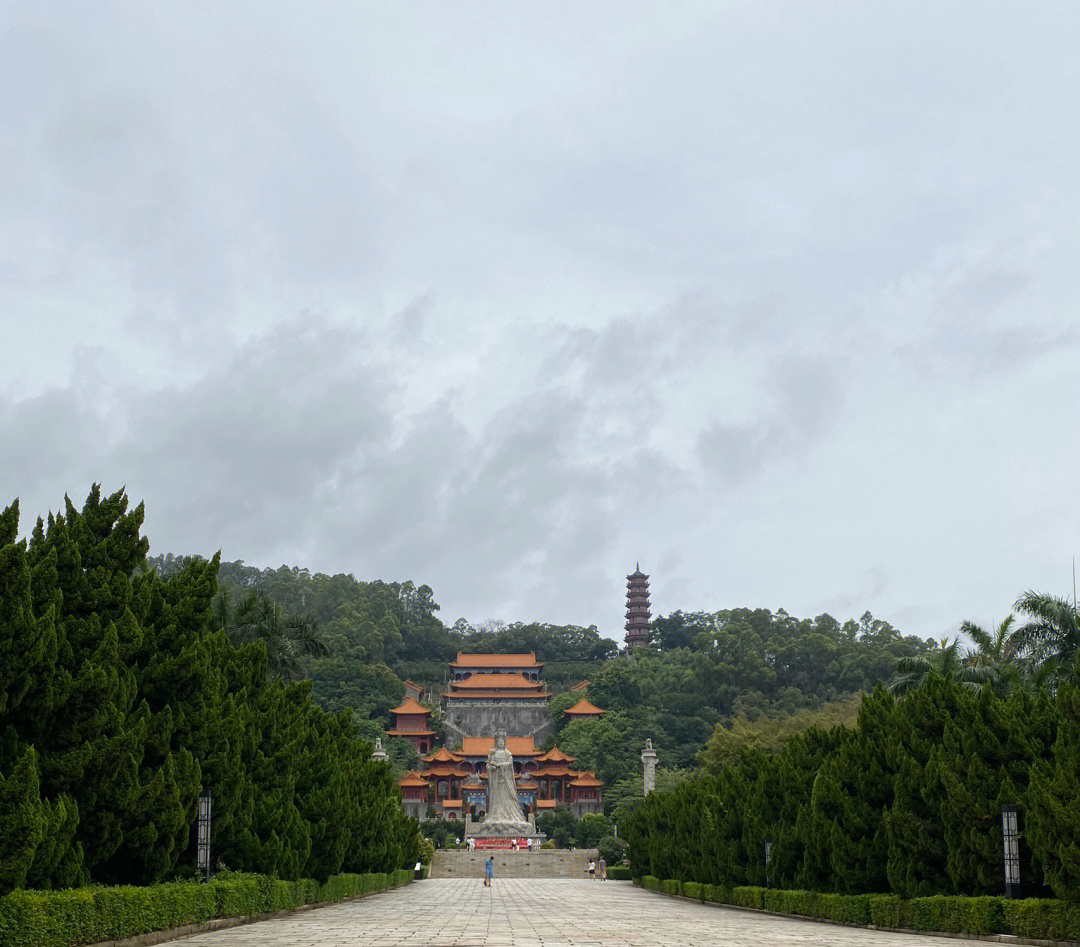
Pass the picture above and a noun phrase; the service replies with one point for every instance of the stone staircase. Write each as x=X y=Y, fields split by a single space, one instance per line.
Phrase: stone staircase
x=546 y=863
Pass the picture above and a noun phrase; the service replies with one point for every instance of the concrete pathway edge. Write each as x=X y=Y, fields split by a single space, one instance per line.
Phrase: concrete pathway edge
x=220 y=923
x=989 y=938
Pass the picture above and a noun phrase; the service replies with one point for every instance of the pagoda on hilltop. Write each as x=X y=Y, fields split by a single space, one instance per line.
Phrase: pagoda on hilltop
x=637 y=609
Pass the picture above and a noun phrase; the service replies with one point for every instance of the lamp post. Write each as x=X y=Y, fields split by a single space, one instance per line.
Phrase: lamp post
x=1011 y=844
x=768 y=858
x=202 y=834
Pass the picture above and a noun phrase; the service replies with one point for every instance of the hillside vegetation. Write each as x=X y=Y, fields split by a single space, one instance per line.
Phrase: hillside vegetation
x=704 y=673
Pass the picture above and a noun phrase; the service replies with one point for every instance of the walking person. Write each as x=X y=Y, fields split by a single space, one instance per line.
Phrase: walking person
x=489 y=871
x=592 y=870
x=602 y=868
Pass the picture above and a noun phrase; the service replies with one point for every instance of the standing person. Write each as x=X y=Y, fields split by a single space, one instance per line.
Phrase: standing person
x=602 y=866
x=489 y=871
x=592 y=870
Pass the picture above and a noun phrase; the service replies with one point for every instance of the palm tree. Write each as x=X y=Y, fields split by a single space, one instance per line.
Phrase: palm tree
x=1049 y=643
x=287 y=637
x=944 y=659
x=990 y=661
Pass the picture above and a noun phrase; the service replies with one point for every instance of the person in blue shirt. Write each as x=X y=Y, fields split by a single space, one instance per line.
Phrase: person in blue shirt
x=489 y=871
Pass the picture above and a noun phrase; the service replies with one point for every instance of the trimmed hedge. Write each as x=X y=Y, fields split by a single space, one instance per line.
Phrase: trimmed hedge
x=619 y=873
x=87 y=915
x=1036 y=918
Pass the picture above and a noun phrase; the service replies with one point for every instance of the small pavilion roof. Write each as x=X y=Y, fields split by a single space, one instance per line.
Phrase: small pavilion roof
x=497 y=680
x=481 y=746
x=410 y=706
x=495 y=660
x=528 y=784
x=555 y=755
x=579 y=686
x=553 y=770
x=587 y=778
x=584 y=709
x=442 y=770
x=443 y=755
x=412 y=778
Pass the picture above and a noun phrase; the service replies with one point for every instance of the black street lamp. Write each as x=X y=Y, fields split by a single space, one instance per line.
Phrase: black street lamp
x=768 y=858
x=202 y=834
x=1011 y=844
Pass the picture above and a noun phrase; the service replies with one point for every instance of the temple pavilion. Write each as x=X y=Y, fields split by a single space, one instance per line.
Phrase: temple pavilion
x=487 y=692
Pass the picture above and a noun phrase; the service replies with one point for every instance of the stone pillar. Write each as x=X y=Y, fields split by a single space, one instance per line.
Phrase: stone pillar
x=648 y=758
x=379 y=756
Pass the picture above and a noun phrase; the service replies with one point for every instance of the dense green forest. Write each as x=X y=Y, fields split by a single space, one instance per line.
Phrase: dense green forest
x=121 y=698
x=705 y=672
x=908 y=800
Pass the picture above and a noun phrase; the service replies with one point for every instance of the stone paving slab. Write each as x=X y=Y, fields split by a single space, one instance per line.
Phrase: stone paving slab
x=542 y=913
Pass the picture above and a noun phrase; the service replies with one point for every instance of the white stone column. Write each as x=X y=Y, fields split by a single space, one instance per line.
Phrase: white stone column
x=648 y=759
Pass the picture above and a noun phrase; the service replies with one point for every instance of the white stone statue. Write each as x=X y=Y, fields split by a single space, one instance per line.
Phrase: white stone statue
x=504 y=818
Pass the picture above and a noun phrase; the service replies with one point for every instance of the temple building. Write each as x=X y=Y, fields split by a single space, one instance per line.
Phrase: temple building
x=637 y=609
x=487 y=692
x=411 y=721
x=583 y=710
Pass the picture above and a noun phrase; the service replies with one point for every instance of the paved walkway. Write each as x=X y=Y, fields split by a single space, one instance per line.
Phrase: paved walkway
x=541 y=913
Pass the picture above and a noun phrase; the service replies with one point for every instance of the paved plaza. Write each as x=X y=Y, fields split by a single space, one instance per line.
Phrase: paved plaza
x=541 y=913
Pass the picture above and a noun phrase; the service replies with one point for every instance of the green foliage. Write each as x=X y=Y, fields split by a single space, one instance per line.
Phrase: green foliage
x=131 y=699
x=769 y=733
x=619 y=873
x=92 y=914
x=979 y=916
x=908 y=802
x=611 y=850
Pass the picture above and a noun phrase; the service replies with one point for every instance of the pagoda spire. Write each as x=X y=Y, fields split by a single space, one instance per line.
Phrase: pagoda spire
x=637 y=609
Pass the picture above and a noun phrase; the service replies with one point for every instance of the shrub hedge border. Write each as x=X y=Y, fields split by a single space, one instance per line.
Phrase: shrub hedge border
x=95 y=914
x=1031 y=919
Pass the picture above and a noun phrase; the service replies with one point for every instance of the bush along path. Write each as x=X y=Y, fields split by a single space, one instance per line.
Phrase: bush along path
x=1028 y=918
x=92 y=914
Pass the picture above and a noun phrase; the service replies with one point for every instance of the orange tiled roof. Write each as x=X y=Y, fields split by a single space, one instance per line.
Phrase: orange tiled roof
x=481 y=746
x=548 y=771
x=579 y=686
x=493 y=681
x=410 y=706
x=496 y=660
x=587 y=778
x=451 y=803
x=443 y=755
x=442 y=770
x=528 y=784
x=412 y=778
x=410 y=733
x=555 y=755
x=546 y=803
x=503 y=695
x=584 y=709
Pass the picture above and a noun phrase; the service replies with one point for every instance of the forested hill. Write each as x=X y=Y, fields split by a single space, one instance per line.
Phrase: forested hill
x=703 y=669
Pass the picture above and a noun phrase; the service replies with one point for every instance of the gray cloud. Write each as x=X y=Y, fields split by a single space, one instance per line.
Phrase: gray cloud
x=500 y=300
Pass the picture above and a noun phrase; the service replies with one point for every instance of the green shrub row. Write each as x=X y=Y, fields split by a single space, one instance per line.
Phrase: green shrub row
x=1033 y=917
x=87 y=915
x=619 y=873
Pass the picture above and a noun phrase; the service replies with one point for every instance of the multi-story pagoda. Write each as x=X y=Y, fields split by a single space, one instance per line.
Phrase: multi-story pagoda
x=637 y=609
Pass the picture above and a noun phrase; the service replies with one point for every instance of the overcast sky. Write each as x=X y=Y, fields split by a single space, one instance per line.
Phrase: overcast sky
x=780 y=299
